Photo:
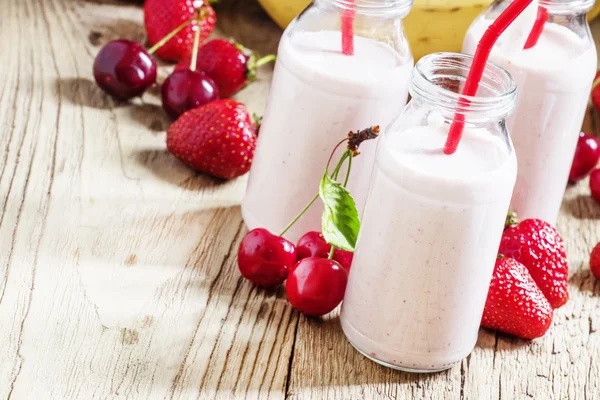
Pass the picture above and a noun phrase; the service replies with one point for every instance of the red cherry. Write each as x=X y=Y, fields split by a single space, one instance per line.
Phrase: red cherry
x=586 y=157
x=187 y=89
x=316 y=286
x=313 y=244
x=595 y=184
x=596 y=91
x=265 y=259
x=124 y=69
x=595 y=261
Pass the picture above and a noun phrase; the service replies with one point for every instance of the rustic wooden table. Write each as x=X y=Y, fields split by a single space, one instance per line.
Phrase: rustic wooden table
x=118 y=276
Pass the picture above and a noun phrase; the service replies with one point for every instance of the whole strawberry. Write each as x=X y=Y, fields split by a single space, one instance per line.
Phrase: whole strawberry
x=538 y=246
x=229 y=64
x=595 y=261
x=163 y=16
x=515 y=304
x=217 y=138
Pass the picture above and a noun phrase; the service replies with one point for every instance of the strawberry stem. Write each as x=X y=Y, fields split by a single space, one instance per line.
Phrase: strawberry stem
x=195 y=49
x=174 y=32
x=266 y=59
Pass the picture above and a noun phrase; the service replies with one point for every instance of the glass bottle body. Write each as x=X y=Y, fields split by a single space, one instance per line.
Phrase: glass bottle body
x=432 y=223
x=317 y=96
x=554 y=78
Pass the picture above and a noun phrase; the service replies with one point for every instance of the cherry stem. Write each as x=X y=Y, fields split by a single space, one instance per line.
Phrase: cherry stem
x=333 y=152
x=195 y=50
x=331 y=253
x=174 y=32
x=310 y=203
x=297 y=217
x=266 y=59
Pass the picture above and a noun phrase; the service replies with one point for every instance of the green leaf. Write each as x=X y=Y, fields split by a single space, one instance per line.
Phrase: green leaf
x=340 y=222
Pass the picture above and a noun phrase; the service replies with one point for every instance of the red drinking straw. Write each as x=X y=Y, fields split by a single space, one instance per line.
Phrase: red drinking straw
x=484 y=47
x=538 y=27
x=348 y=31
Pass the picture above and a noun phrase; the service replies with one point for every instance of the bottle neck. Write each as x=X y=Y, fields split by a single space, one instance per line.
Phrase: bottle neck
x=374 y=8
x=438 y=78
x=567 y=7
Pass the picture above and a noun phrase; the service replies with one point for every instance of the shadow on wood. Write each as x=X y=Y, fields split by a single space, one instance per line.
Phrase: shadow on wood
x=584 y=281
x=151 y=116
x=85 y=92
x=583 y=206
x=167 y=168
x=130 y=29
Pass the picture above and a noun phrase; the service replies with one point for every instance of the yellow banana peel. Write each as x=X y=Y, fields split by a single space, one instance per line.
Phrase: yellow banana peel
x=432 y=25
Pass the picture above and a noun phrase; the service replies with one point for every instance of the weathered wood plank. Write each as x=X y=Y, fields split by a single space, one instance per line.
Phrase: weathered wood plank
x=117 y=269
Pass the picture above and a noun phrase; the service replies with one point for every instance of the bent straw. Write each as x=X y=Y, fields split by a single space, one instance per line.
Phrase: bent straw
x=484 y=47
x=538 y=27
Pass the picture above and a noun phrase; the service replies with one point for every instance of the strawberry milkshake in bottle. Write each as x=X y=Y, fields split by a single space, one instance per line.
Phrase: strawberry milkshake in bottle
x=554 y=72
x=342 y=65
x=432 y=222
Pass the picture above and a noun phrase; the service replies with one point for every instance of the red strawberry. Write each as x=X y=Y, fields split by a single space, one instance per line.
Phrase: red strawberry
x=538 y=246
x=595 y=261
x=217 y=138
x=161 y=17
x=230 y=65
x=596 y=91
x=515 y=304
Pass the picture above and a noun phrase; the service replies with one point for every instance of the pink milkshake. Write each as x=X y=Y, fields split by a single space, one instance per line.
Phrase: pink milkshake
x=554 y=79
x=317 y=96
x=432 y=223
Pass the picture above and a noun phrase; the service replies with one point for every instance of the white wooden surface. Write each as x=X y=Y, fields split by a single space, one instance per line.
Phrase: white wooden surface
x=117 y=264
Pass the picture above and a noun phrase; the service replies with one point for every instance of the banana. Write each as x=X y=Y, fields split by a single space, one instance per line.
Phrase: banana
x=432 y=25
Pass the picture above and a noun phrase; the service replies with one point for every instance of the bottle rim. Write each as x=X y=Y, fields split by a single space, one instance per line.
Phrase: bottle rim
x=373 y=7
x=567 y=6
x=497 y=91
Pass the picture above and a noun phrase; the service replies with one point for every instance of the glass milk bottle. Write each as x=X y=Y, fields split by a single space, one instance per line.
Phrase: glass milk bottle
x=554 y=78
x=317 y=96
x=433 y=222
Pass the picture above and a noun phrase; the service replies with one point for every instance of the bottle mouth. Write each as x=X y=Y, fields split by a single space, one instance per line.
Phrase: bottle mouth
x=439 y=78
x=375 y=7
x=567 y=6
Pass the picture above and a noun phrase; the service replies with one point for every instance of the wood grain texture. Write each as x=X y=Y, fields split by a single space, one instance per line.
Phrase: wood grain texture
x=117 y=264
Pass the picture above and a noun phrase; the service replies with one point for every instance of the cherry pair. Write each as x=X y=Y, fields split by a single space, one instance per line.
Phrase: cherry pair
x=125 y=69
x=315 y=284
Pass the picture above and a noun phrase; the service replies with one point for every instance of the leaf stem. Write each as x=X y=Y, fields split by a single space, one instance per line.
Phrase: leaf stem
x=348 y=172
x=174 y=32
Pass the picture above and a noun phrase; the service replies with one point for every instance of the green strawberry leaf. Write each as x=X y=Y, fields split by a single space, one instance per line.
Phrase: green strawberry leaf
x=340 y=221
